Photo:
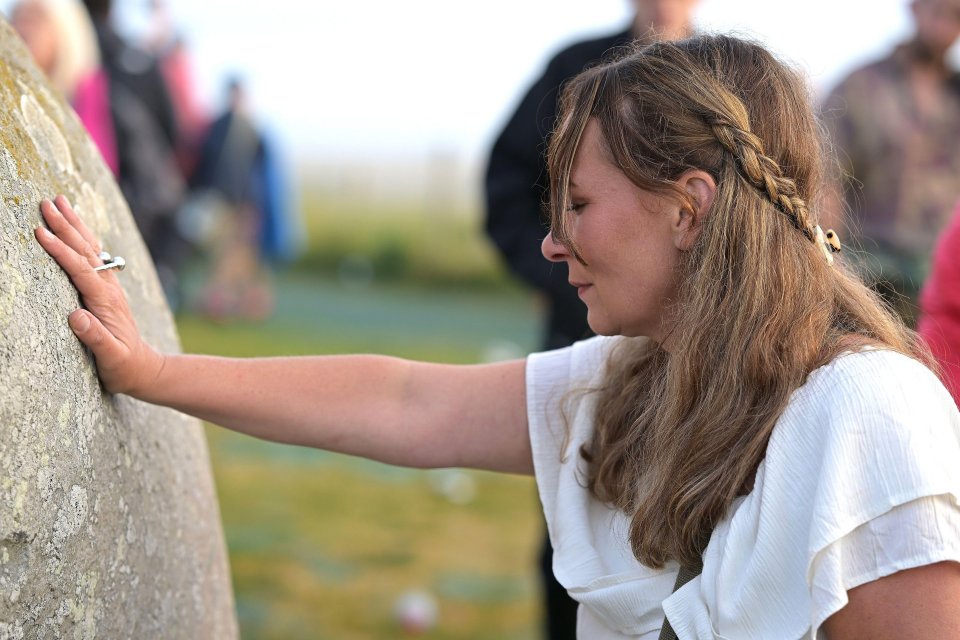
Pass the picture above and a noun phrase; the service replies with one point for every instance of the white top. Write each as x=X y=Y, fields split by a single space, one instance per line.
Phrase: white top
x=861 y=479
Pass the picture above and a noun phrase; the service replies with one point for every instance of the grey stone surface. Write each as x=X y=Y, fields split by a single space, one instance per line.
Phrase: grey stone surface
x=109 y=524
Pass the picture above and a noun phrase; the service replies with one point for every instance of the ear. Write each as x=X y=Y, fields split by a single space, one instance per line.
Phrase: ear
x=701 y=188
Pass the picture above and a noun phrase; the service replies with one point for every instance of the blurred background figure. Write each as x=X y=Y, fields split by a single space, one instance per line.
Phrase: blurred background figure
x=161 y=27
x=145 y=129
x=169 y=47
x=895 y=124
x=516 y=187
x=239 y=184
x=192 y=118
x=62 y=41
x=939 y=321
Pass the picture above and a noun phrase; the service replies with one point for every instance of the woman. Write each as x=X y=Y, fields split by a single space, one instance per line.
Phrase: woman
x=749 y=403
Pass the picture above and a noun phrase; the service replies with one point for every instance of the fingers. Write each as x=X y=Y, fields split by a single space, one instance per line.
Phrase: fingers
x=71 y=216
x=106 y=326
x=68 y=232
x=106 y=348
x=74 y=247
x=88 y=282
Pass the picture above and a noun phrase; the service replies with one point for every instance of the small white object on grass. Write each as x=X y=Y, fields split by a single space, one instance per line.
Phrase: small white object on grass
x=416 y=611
x=455 y=485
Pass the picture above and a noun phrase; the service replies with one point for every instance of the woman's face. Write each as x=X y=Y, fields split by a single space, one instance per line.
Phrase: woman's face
x=628 y=238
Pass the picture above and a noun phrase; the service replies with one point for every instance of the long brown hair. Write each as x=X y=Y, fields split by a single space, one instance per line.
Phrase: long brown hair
x=680 y=435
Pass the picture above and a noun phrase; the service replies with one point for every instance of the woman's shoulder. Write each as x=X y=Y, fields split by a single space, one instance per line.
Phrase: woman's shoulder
x=581 y=363
x=559 y=385
x=873 y=374
x=871 y=394
x=865 y=450
x=871 y=422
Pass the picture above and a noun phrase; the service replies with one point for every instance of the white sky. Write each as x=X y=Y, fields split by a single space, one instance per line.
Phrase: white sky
x=380 y=76
x=361 y=77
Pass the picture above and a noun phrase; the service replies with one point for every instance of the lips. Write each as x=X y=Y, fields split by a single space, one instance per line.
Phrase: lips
x=581 y=287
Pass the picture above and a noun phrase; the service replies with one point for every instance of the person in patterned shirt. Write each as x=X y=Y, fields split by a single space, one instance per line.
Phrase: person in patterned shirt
x=895 y=125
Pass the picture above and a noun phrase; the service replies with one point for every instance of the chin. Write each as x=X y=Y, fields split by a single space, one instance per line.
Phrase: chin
x=606 y=332
x=602 y=327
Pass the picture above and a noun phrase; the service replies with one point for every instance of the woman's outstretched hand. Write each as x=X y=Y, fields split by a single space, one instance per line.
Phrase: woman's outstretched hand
x=125 y=363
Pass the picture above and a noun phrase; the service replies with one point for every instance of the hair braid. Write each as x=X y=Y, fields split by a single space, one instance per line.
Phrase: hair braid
x=763 y=172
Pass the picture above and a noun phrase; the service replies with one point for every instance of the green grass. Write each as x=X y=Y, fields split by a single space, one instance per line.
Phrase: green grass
x=322 y=544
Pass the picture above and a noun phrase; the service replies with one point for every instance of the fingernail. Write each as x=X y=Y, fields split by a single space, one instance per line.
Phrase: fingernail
x=80 y=322
x=44 y=232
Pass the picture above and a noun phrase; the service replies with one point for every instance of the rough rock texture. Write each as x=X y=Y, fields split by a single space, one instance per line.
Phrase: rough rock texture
x=109 y=524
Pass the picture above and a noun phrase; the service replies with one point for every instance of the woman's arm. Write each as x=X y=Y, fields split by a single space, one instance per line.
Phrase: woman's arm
x=914 y=604
x=397 y=411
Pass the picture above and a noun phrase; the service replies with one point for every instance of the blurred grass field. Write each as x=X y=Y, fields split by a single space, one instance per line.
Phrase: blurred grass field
x=435 y=243
x=321 y=545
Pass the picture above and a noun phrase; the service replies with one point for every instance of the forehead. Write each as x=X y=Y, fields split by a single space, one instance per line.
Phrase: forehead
x=591 y=159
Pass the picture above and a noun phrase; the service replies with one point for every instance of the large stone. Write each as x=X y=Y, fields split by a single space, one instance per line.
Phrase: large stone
x=109 y=524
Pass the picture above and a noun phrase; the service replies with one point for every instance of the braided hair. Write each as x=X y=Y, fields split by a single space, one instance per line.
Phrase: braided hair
x=762 y=171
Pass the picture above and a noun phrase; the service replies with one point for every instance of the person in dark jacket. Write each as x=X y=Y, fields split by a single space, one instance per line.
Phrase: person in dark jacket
x=234 y=170
x=515 y=188
x=134 y=67
x=145 y=131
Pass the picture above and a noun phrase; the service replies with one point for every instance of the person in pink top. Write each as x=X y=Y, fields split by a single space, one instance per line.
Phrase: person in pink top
x=939 y=322
x=63 y=44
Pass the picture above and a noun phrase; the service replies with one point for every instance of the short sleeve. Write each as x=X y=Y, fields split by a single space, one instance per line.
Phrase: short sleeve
x=888 y=474
x=592 y=558
x=889 y=483
x=910 y=535
x=556 y=418
x=861 y=480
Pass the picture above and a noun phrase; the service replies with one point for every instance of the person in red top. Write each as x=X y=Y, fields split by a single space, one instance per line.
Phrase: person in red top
x=939 y=322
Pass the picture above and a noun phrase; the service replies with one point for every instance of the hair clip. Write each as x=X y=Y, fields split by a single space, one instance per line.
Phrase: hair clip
x=828 y=242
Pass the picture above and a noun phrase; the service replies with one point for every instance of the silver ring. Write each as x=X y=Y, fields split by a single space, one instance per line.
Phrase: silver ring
x=115 y=262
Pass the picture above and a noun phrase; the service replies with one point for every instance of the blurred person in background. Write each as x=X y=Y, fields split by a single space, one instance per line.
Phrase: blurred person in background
x=939 y=320
x=62 y=41
x=895 y=124
x=516 y=188
x=164 y=41
x=238 y=181
x=145 y=128
x=192 y=119
x=161 y=27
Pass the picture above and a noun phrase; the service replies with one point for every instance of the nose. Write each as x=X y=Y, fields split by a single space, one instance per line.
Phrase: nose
x=552 y=250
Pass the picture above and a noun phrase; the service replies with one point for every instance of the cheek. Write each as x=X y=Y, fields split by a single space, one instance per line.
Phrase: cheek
x=655 y=279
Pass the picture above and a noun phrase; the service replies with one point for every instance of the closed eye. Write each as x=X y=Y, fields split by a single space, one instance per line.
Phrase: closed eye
x=576 y=207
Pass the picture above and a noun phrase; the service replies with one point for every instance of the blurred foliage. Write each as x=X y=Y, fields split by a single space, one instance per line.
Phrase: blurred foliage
x=402 y=239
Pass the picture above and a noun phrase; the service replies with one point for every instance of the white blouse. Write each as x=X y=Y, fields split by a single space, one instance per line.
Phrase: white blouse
x=861 y=479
